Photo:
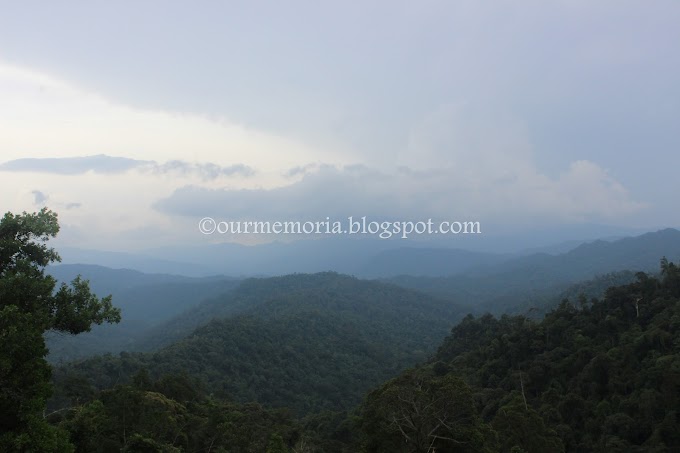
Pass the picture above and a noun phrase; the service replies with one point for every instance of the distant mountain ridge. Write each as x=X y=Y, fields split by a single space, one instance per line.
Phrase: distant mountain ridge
x=105 y=279
x=161 y=308
x=428 y=262
x=141 y=296
x=367 y=257
x=145 y=300
x=527 y=276
x=631 y=253
x=134 y=261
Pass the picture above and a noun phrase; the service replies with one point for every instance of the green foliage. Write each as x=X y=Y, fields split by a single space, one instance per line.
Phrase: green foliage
x=145 y=301
x=518 y=425
x=306 y=342
x=422 y=412
x=595 y=374
x=600 y=376
x=29 y=307
x=155 y=417
x=276 y=444
x=329 y=431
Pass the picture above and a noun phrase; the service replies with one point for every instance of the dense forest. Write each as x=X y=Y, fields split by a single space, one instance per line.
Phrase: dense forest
x=327 y=362
x=146 y=301
x=593 y=375
x=307 y=342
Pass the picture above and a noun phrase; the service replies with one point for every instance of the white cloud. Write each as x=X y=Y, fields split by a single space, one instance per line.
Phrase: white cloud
x=584 y=193
x=104 y=164
x=41 y=116
x=461 y=160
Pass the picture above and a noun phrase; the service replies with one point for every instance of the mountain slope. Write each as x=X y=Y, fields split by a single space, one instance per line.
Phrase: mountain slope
x=308 y=342
x=145 y=300
x=532 y=276
x=590 y=377
x=427 y=262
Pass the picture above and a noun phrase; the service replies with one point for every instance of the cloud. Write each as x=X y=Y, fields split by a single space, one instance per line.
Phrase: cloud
x=73 y=165
x=565 y=113
x=42 y=116
x=39 y=198
x=584 y=192
x=109 y=165
x=300 y=170
x=206 y=171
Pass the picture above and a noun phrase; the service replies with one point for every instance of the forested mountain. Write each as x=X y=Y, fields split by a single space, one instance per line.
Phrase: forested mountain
x=150 y=297
x=145 y=301
x=427 y=262
x=365 y=257
x=159 y=309
x=593 y=375
x=361 y=256
x=140 y=262
x=109 y=280
x=599 y=375
x=307 y=342
x=534 y=276
x=308 y=363
x=537 y=303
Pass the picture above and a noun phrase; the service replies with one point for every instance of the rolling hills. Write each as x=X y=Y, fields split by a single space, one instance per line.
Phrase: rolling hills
x=535 y=277
x=145 y=300
x=308 y=342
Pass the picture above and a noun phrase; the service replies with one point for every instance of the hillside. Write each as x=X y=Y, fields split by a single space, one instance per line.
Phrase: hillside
x=145 y=300
x=307 y=342
x=431 y=262
x=596 y=376
x=490 y=288
x=592 y=376
x=537 y=303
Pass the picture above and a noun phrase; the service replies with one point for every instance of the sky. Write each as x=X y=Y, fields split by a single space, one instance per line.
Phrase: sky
x=133 y=120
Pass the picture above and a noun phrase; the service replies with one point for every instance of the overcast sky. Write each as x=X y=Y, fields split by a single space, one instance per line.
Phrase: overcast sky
x=135 y=119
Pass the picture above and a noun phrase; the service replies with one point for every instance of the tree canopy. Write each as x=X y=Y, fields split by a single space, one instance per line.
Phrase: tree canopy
x=30 y=305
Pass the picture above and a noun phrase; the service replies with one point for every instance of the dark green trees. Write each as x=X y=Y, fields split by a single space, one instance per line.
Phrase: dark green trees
x=173 y=415
x=599 y=375
x=421 y=412
x=29 y=307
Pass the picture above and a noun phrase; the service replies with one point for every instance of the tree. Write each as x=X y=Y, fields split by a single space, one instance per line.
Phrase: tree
x=29 y=307
x=276 y=444
x=418 y=412
x=521 y=428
